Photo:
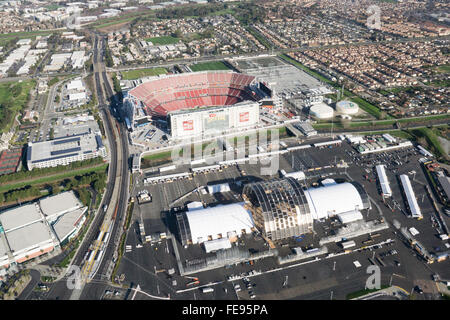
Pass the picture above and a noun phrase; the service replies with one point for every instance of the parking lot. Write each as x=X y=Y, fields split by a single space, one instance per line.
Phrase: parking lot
x=316 y=279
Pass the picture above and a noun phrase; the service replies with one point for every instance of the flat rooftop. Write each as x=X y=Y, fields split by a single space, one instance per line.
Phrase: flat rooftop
x=19 y=216
x=63 y=147
x=29 y=236
x=60 y=203
x=65 y=224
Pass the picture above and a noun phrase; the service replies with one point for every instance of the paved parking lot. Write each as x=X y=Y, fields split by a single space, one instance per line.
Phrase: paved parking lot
x=324 y=279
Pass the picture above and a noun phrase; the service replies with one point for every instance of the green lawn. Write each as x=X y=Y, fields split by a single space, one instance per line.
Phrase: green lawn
x=213 y=65
x=13 y=99
x=431 y=139
x=163 y=40
x=5 y=37
x=363 y=292
x=139 y=73
x=51 y=179
x=445 y=68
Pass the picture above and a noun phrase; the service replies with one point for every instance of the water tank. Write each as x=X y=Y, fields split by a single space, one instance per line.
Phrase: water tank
x=347 y=107
x=321 y=111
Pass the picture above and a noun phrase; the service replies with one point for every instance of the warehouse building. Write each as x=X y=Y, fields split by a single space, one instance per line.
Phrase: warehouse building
x=64 y=150
x=33 y=229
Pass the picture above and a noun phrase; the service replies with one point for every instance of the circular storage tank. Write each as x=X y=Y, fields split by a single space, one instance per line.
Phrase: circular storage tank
x=347 y=107
x=321 y=111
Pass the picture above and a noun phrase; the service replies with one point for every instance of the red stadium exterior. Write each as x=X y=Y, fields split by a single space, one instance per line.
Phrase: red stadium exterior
x=192 y=90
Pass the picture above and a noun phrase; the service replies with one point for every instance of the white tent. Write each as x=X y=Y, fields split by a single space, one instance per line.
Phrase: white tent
x=217 y=244
x=330 y=200
x=222 y=221
x=349 y=216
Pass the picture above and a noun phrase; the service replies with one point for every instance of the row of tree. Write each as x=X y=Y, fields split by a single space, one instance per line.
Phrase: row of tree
x=25 y=174
x=190 y=10
x=19 y=194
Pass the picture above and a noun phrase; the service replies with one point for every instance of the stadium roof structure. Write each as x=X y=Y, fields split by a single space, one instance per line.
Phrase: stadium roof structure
x=168 y=93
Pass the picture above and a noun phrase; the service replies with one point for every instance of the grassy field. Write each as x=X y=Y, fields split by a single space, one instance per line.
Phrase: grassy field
x=13 y=99
x=443 y=69
x=213 y=65
x=431 y=139
x=364 y=292
x=139 y=73
x=363 y=124
x=5 y=187
x=156 y=159
x=5 y=37
x=163 y=40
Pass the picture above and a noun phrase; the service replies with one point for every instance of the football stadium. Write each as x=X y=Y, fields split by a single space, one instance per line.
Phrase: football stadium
x=191 y=104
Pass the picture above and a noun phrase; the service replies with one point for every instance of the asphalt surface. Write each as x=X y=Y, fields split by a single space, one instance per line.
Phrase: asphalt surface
x=332 y=278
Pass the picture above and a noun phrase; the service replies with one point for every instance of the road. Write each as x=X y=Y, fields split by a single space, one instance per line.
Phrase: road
x=116 y=193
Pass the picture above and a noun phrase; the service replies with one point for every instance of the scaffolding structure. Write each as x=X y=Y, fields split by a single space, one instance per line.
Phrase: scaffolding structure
x=279 y=208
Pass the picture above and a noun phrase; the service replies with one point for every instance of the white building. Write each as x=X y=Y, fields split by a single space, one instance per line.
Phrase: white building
x=64 y=150
x=330 y=200
x=384 y=182
x=33 y=229
x=188 y=123
x=223 y=221
x=410 y=197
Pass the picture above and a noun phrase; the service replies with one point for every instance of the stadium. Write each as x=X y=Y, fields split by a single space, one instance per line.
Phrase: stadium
x=185 y=100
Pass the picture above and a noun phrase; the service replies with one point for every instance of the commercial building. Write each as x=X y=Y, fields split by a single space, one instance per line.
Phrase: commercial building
x=64 y=150
x=33 y=229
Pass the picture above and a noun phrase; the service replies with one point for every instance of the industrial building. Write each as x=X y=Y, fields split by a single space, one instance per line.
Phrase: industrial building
x=410 y=197
x=64 y=150
x=34 y=229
